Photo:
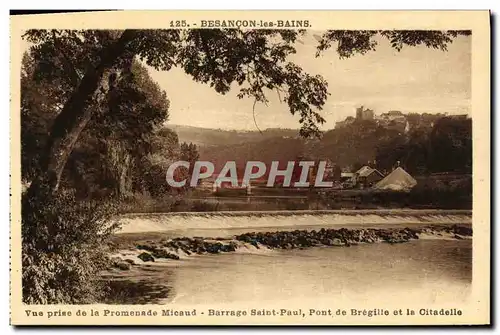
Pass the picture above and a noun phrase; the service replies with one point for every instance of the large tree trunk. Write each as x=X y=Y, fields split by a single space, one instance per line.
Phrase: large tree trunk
x=73 y=118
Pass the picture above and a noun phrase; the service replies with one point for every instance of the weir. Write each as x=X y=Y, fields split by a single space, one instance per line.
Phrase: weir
x=191 y=223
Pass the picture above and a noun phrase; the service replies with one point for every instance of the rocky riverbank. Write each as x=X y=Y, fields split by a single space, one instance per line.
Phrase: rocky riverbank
x=160 y=249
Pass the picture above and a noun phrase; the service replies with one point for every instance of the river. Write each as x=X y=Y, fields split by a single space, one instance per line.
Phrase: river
x=432 y=271
x=426 y=271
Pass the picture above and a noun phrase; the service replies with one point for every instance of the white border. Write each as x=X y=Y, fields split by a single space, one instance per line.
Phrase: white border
x=148 y=4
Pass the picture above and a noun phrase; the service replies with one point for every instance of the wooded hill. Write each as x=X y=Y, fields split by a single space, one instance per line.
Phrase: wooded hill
x=433 y=143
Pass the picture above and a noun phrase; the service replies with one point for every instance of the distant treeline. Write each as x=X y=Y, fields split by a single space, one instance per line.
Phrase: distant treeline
x=433 y=143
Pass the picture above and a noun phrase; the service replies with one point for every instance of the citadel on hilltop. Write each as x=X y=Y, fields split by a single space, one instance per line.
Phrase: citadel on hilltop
x=391 y=119
x=364 y=114
x=394 y=119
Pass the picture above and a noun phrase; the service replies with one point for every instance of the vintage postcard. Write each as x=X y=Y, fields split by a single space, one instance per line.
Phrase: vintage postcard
x=250 y=168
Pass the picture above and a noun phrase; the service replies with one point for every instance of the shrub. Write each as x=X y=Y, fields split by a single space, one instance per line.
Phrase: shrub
x=64 y=245
x=453 y=195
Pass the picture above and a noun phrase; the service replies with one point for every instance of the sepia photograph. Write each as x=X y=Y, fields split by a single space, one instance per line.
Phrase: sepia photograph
x=256 y=170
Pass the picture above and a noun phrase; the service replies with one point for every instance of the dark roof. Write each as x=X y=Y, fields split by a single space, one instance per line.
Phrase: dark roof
x=365 y=171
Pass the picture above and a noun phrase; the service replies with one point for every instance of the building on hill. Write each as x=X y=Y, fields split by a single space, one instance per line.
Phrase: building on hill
x=390 y=116
x=394 y=114
x=393 y=120
x=364 y=114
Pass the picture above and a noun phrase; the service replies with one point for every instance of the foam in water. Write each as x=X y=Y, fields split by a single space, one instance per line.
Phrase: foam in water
x=219 y=221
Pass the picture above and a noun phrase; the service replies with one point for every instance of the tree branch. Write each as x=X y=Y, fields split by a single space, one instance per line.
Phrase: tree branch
x=74 y=116
x=254 y=120
x=74 y=76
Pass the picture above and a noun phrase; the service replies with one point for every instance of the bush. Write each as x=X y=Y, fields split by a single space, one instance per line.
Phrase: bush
x=452 y=196
x=64 y=245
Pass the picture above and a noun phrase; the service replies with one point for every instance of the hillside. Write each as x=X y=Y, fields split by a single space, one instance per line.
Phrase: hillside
x=267 y=150
x=418 y=146
x=344 y=146
x=210 y=137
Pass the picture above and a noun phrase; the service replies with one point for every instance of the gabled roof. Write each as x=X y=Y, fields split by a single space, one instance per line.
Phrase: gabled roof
x=397 y=180
x=365 y=171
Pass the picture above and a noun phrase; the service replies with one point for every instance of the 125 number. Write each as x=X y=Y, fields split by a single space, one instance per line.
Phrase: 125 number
x=178 y=24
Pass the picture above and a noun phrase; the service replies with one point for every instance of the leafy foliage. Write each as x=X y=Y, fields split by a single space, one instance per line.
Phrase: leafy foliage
x=451 y=145
x=444 y=147
x=256 y=60
x=166 y=150
x=189 y=153
x=108 y=154
x=64 y=249
x=351 y=42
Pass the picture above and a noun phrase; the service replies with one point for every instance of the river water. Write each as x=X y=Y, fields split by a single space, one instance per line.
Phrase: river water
x=426 y=271
x=431 y=271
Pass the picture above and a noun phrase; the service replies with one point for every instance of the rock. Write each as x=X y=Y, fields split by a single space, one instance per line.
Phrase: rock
x=212 y=248
x=461 y=230
x=327 y=241
x=130 y=261
x=228 y=247
x=331 y=237
x=122 y=266
x=336 y=242
x=160 y=253
x=146 y=257
x=115 y=260
x=145 y=247
x=186 y=251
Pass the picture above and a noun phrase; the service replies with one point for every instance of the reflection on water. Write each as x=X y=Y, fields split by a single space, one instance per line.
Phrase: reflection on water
x=425 y=270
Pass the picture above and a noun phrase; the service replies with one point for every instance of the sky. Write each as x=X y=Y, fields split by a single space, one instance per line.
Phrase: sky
x=416 y=79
